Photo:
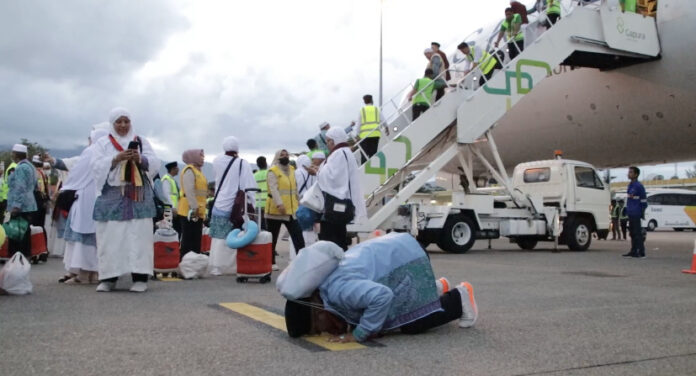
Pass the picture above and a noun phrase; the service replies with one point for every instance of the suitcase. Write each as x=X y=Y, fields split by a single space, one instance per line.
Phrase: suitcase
x=255 y=260
x=167 y=253
x=5 y=250
x=205 y=240
x=39 y=250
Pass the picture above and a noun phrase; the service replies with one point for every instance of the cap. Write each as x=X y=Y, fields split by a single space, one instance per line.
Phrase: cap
x=170 y=165
x=36 y=159
x=436 y=44
x=19 y=148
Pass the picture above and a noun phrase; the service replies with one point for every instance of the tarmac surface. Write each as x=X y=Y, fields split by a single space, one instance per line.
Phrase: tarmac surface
x=541 y=313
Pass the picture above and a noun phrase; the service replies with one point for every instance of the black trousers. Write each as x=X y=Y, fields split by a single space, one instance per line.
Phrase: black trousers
x=624 y=227
x=191 y=234
x=552 y=19
x=22 y=246
x=451 y=303
x=335 y=233
x=418 y=109
x=637 y=241
x=369 y=146
x=515 y=47
x=293 y=228
x=135 y=276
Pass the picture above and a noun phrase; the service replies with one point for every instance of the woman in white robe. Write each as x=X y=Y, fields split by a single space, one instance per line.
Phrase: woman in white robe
x=123 y=166
x=80 y=229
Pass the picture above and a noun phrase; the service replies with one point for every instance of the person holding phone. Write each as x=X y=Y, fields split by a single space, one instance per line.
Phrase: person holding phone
x=123 y=166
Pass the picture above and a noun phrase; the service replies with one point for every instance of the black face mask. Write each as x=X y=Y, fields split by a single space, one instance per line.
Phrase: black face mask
x=284 y=161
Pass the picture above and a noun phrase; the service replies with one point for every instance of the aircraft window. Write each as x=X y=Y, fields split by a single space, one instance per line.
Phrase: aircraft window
x=585 y=177
x=537 y=175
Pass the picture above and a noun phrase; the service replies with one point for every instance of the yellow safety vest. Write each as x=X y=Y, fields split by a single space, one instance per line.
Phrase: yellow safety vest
x=287 y=188
x=369 y=119
x=174 y=191
x=487 y=62
x=508 y=28
x=5 y=188
x=41 y=182
x=260 y=176
x=201 y=193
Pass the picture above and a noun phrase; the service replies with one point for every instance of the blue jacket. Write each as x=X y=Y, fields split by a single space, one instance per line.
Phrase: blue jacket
x=22 y=183
x=636 y=205
x=382 y=284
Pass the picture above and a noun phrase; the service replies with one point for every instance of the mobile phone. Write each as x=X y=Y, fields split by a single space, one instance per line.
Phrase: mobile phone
x=133 y=145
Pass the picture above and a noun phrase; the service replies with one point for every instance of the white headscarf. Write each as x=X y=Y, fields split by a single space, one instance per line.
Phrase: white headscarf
x=98 y=131
x=230 y=143
x=114 y=115
x=337 y=134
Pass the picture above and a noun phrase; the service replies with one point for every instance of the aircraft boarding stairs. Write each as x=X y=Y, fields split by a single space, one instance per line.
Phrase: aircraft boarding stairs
x=600 y=37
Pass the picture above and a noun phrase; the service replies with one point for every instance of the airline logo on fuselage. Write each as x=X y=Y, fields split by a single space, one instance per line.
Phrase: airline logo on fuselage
x=622 y=29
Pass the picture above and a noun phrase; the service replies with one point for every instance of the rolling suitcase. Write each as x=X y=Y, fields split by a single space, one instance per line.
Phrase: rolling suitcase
x=255 y=259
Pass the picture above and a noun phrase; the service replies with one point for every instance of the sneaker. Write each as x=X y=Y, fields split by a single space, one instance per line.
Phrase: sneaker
x=275 y=267
x=442 y=286
x=469 y=308
x=105 y=286
x=139 y=287
x=640 y=256
x=629 y=254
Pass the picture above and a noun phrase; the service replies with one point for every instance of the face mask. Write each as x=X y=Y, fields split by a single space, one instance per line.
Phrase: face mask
x=284 y=161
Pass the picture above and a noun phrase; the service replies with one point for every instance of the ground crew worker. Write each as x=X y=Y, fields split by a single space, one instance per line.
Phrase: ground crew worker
x=511 y=29
x=369 y=128
x=4 y=188
x=424 y=87
x=192 y=203
x=479 y=57
x=623 y=218
x=615 y=220
x=170 y=188
x=260 y=176
x=635 y=210
x=553 y=12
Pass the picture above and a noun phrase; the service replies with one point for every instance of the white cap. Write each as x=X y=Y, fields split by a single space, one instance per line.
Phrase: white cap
x=318 y=155
x=20 y=148
x=323 y=124
x=428 y=50
x=337 y=134
x=230 y=144
x=36 y=159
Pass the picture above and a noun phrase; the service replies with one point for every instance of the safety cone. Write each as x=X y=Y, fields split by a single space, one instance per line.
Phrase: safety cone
x=693 y=262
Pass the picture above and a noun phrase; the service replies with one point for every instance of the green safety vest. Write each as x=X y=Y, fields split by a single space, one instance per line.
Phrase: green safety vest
x=629 y=5
x=5 y=188
x=260 y=177
x=616 y=211
x=311 y=152
x=622 y=212
x=425 y=96
x=487 y=60
x=555 y=7
x=369 y=119
x=174 y=195
x=508 y=27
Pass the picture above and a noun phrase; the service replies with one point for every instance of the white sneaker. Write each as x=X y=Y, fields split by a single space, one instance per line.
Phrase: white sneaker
x=469 y=308
x=139 y=287
x=275 y=267
x=442 y=285
x=105 y=287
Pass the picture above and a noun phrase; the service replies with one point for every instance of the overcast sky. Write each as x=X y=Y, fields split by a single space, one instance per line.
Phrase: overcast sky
x=194 y=72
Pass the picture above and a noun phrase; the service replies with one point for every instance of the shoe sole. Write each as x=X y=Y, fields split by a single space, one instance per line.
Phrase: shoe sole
x=470 y=289
x=445 y=285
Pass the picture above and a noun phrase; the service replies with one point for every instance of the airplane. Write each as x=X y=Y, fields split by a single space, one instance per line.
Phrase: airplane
x=632 y=115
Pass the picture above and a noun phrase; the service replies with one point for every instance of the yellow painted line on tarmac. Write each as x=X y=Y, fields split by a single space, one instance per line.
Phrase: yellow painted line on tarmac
x=170 y=279
x=278 y=322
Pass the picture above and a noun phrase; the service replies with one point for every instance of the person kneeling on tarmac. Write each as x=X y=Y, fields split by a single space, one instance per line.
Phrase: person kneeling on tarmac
x=380 y=285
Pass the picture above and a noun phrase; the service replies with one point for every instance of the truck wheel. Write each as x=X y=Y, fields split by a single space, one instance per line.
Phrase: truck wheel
x=526 y=243
x=578 y=234
x=652 y=225
x=458 y=234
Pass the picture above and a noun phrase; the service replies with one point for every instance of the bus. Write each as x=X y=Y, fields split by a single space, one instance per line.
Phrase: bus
x=670 y=208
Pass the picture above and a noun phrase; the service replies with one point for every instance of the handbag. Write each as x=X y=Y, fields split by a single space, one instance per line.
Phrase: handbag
x=16 y=228
x=336 y=210
x=313 y=198
x=206 y=222
x=238 y=208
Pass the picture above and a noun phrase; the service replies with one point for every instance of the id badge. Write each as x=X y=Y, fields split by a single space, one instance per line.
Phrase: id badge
x=339 y=207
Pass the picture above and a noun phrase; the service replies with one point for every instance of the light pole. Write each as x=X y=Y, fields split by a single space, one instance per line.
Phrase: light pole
x=381 y=4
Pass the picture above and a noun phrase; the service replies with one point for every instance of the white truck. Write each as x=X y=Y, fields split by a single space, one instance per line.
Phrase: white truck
x=552 y=200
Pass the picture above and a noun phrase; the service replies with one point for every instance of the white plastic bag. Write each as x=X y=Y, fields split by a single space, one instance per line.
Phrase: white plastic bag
x=308 y=270
x=14 y=276
x=193 y=265
x=313 y=198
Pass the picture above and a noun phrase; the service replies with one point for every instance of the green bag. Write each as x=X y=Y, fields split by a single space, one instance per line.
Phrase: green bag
x=16 y=228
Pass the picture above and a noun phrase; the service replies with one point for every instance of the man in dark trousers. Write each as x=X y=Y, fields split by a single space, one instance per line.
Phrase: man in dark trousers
x=635 y=210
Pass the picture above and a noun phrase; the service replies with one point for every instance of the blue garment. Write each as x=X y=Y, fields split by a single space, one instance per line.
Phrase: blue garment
x=639 y=202
x=382 y=284
x=112 y=205
x=22 y=183
x=220 y=224
x=73 y=236
x=321 y=142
